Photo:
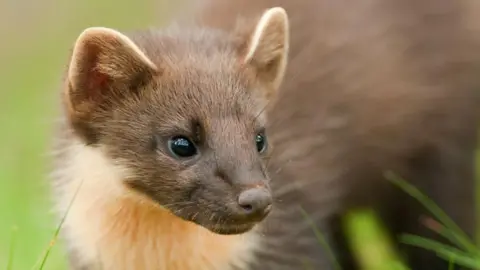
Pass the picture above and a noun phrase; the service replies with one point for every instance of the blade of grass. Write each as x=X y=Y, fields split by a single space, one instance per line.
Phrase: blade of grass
x=12 y=248
x=477 y=193
x=57 y=230
x=370 y=241
x=451 y=264
x=459 y=237
x=322 y=239
x=443 y=251
x=440 y=229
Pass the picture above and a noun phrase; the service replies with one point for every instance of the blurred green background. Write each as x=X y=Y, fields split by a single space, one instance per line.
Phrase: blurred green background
x=35 y=39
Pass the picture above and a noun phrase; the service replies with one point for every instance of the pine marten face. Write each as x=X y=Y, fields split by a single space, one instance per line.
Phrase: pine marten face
x=185 y=117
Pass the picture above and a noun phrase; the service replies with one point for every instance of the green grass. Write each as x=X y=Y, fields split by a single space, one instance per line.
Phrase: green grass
x=462 y=251
x=363 y=226
x=32 y=61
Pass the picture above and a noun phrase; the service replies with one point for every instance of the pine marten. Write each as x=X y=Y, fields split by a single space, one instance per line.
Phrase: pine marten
x=198 y=146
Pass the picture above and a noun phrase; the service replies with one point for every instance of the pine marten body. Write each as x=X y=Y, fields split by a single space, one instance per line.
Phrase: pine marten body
x=196 y=146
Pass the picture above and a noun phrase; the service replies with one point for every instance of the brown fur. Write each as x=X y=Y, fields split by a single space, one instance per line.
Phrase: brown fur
x=124 y=99
x=369 y=86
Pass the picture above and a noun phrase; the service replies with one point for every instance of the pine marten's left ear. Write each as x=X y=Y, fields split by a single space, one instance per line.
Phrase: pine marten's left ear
x=267 y=48
x=105 y=65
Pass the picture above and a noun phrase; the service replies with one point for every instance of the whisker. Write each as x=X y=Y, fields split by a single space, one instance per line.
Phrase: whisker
x=261 y=111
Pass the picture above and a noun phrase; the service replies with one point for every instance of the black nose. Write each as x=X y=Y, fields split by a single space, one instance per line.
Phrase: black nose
x=255 y=203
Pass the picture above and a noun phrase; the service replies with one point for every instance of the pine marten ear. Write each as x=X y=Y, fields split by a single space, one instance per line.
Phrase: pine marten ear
x=267 y=48
x=104 y=66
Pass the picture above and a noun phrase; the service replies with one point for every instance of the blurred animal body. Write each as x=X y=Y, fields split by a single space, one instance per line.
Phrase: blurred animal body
x=196 y=146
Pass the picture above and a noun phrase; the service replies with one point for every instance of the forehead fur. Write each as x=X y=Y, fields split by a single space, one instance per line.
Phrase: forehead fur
x=199 y=68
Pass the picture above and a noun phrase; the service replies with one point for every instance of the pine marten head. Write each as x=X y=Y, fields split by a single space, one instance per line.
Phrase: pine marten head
x=184 y=113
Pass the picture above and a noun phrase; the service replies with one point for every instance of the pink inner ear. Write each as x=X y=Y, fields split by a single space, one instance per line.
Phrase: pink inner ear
x=96 y=82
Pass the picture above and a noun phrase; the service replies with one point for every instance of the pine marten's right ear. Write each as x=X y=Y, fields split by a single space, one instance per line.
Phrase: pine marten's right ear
x=104 y=66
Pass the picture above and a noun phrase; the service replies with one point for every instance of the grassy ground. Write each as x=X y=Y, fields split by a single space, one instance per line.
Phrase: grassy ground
x=38 y=35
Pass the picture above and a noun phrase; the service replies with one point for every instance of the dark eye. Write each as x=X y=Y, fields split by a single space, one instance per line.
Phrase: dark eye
x=261 y=142
x=182 y=147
